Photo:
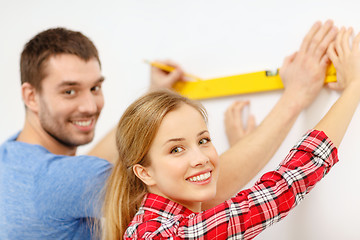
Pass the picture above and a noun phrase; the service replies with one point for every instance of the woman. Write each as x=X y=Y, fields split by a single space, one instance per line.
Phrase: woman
x=167 y=166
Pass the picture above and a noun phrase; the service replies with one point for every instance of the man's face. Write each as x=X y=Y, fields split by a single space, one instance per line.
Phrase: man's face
x=71 y=99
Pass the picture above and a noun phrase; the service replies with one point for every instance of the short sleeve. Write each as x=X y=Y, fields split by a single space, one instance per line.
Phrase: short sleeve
x=70 y=187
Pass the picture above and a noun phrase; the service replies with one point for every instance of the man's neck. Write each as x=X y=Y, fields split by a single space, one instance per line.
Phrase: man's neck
x=32 y=133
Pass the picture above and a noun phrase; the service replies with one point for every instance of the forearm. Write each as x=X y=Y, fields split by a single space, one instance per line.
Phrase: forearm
x=106 y=148
x=245 y=159
x=279 y=191
x=337 y=120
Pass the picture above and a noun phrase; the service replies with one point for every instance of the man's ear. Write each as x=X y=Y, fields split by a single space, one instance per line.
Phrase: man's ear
x=29 y=96
x=144 y=174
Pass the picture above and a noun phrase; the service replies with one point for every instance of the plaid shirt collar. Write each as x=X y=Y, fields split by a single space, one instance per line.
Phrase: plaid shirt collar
x=163 y=207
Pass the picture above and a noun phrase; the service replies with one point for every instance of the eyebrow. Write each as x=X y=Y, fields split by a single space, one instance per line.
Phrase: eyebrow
x=182 y=139
x=76 y=83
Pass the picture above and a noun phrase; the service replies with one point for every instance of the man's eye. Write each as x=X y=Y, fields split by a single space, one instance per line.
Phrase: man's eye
x=96 y=88
x=177 y=150
x=204 y=141
x=70 y=92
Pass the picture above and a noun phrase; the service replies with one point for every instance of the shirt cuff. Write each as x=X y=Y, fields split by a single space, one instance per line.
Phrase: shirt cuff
x=319 y=144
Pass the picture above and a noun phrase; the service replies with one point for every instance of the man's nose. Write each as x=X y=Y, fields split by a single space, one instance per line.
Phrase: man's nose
x=88 y=104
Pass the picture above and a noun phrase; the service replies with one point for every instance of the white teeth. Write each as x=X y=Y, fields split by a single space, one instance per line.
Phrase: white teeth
x=83 y=123
x=201 y=177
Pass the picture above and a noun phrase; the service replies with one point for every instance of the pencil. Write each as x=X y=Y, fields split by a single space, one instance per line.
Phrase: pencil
x=168 y=68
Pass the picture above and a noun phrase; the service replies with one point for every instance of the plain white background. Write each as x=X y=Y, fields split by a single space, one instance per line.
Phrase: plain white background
x=209 y=39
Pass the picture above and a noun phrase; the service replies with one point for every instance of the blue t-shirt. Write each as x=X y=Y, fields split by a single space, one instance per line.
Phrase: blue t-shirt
x=48 y=196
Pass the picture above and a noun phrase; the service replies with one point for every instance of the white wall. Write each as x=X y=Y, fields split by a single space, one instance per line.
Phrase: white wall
x=209 y=39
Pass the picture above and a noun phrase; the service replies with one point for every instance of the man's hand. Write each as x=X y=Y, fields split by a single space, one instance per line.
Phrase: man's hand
x=161 y=79
x=303 y=72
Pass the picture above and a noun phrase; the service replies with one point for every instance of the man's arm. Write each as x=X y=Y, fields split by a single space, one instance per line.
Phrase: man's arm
x=106 y=147
x=303 y=75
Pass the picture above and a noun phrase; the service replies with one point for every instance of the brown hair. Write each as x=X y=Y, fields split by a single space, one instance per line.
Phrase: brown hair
x=135 y=133
x=50 y=43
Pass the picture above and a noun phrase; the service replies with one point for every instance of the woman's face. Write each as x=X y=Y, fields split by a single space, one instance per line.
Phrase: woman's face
x=183 y=161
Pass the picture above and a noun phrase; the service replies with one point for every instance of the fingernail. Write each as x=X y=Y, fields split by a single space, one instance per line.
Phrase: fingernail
x=318 y=23
x=328 y=23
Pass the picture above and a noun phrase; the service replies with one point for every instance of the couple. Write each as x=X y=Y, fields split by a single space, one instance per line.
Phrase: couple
x=48 y=192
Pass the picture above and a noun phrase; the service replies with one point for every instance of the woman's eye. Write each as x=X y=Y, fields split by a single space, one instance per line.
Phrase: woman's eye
x=204 y=140
x=177 y=150
x=70 y=92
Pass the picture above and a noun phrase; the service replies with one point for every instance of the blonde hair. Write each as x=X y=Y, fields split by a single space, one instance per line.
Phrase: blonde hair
x=135 y=133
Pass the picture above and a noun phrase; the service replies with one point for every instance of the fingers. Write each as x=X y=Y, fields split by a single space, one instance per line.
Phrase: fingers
x=322 y=38
x=234 y=122
x=169 y=63
x=174 y=76
x=338 y=42
x=235 y=112
x=288 y=60
x=321 y=48
x=332 y=54
x=165 y=79
x=335 y=86
x=334 y=58
x=309 y=36
x=346 y=40
x=356 y=42
x=325 y=61
x=341 y=46
x=238 y=118
x=173 y=66
x=318 y=39
x=343 y=56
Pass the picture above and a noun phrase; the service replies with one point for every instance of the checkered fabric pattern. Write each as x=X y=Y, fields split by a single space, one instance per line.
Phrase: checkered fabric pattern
x=250 y=211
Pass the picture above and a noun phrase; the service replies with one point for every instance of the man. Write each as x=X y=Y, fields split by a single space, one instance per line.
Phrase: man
x=46 y=192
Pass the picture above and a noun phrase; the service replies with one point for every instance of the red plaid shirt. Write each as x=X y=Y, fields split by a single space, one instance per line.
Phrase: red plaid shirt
x=250 y=211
